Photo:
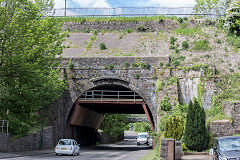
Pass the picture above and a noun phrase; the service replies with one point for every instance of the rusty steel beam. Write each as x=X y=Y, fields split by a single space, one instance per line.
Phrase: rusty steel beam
x=148 y=116
x=68 y=124
x=112 y=102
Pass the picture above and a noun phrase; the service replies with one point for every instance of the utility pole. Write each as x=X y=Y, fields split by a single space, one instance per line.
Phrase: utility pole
x=65 y=11
x=42 y=126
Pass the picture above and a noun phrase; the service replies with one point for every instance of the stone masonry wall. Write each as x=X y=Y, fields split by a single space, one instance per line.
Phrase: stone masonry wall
x=221 y=128
x=232 y=109
x=27 y=143
x=187 y=87
x=90 y=72
x=4 y=142
x=113 y=26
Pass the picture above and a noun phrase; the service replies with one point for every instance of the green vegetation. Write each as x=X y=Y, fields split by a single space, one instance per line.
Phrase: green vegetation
x=201 y=45
x=29 y=75
x=126 y=65
x=114 y=124
x=115 y=19
x=188 y=31
x=173 y=40
x=110 y=66
x=233 y=17
x=174 y=127
x=92 y=39
x=141 y=28
x=185 y=45
x=145 y=66
x=137 y=76
x=70 y=64
x=159 y=85
x=142 y=127
x=233 y=40
x=102 y=46
x=180 y=19
x=218 y=41
x=196 y=136
x=164 y=104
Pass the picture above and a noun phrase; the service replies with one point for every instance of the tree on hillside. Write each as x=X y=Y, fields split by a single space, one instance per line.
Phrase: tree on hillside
x=29 y=47
x=196 y=136
x=211 y=6
x=233 y=17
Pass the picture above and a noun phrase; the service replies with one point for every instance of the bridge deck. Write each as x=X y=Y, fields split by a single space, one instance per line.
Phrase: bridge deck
x=109 y=100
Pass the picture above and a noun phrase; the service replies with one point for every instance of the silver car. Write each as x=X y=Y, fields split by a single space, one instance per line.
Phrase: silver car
x=67 y=146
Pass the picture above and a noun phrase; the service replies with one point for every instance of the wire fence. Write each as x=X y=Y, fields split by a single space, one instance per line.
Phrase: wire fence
x=129 y=11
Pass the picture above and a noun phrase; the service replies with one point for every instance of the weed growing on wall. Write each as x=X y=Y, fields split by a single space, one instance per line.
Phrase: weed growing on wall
x=201 y=45
x=102 y=46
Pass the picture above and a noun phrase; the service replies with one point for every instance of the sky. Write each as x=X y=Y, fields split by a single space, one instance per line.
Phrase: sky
x=123 y=3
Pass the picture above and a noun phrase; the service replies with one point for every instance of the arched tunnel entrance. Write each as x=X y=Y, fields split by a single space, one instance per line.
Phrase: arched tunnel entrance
x=87 y=113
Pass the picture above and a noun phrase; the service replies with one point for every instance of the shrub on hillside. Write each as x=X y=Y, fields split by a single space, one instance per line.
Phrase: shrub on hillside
x=164 y=104
x=185 y=45
x=174 y=127
x=232 y=19
x=102 y=46
x=201 y=45
x=196 y=135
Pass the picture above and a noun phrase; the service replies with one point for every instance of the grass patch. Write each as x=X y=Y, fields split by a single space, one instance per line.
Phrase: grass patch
x=201 y=45
x=233 y=40
x=150 y=156
x=188 y=31
x=114 y=19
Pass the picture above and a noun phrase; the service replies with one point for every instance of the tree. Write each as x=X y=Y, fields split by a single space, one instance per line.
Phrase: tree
x=217 y=7
x=114 y=124
x=232 y=19
x=196 y=136
x=30 y=46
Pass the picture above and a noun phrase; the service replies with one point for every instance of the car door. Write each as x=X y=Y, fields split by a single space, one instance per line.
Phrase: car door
x=216 y=150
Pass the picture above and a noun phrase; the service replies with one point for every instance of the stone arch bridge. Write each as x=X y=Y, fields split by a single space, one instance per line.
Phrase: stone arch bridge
x=99 y=85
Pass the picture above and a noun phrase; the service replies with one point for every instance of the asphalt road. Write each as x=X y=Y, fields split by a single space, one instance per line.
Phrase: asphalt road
x=124 y=150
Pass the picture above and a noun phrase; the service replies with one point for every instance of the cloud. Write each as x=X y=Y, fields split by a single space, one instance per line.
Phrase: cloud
x=167 y=3
x=82 y=4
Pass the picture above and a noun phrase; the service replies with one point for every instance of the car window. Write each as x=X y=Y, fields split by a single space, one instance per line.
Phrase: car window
x=229 y=144
x=65 y=142
x=142 y=136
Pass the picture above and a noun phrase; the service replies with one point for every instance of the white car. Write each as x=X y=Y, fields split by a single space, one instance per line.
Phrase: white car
x=142 y=138
x=67 y=146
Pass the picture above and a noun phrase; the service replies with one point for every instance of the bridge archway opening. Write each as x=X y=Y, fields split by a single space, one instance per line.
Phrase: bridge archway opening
x=87 y=112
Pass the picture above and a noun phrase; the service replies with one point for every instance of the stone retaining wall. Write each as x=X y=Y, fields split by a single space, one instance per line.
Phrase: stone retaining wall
x=221 y=128
x=232 y=109
x=27 y=143
x=113 y=26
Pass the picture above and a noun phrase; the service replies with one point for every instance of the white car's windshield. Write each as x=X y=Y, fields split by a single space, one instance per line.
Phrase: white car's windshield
x=64 y=142
x=229 y=144
x=142 y=136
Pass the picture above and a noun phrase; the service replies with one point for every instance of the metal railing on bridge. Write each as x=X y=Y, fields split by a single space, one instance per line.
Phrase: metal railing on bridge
x=4 y=126
x=110 y=95
x=131 y=11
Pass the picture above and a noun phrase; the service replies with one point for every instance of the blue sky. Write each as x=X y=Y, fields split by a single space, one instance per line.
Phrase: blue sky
x=123 y=3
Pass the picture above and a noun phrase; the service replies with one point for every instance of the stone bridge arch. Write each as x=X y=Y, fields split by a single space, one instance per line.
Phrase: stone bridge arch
x=129 y=72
